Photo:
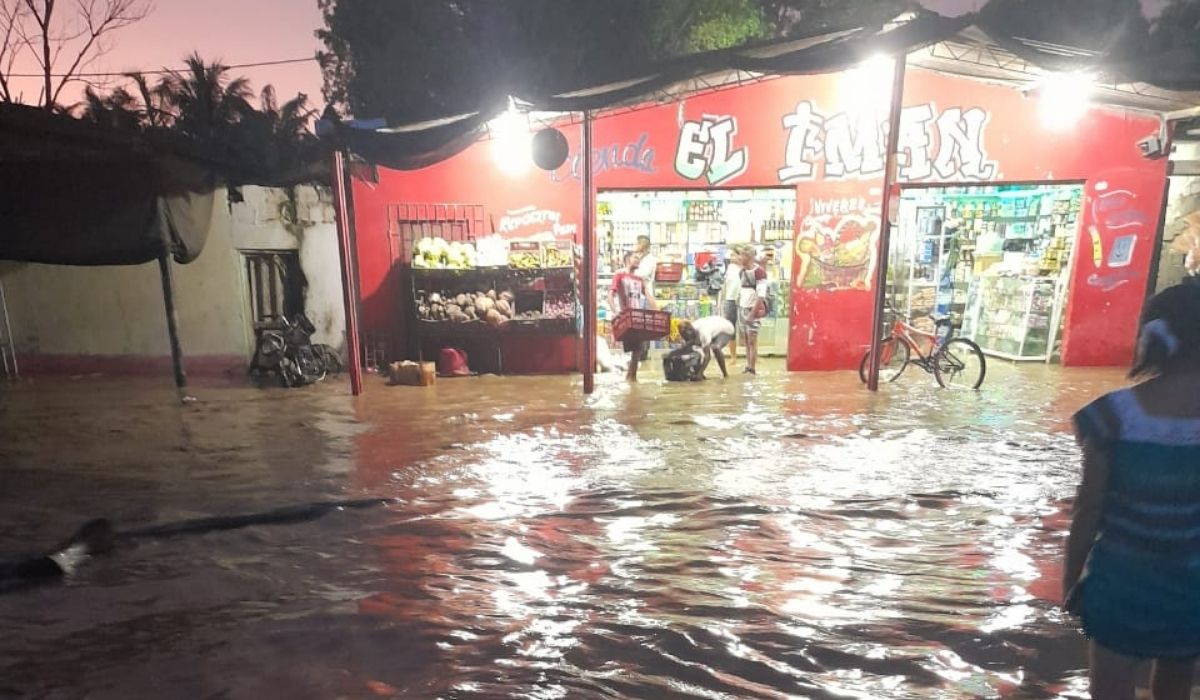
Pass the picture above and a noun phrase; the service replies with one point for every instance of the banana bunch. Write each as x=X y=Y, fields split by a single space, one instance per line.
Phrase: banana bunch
x=524 y=261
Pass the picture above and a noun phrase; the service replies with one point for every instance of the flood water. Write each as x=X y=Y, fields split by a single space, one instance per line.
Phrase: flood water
x=783 y=536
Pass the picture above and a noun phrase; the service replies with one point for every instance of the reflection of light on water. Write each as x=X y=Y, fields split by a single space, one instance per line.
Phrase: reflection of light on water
x=1009 y=617
x=518 y=552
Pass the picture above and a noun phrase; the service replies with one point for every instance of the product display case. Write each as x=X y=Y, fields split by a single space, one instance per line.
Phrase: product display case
x=1012 y=317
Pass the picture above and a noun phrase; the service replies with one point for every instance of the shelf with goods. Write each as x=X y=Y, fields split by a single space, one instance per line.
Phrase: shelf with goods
x=1029 y=220
x=1012 y=317
x=535 y=300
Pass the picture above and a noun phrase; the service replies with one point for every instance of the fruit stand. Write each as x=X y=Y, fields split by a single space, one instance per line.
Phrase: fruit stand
x=476 y=306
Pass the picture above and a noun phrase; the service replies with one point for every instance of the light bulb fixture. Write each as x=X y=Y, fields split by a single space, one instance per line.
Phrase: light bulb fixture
x=512 y=143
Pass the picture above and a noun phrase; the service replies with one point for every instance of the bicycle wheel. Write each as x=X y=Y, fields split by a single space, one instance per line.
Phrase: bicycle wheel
x=893 y=358
x=959 y=364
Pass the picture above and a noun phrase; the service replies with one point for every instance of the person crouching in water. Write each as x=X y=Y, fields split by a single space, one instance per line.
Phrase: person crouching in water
x=1132 y=570
x=628 y=291
x=709 y=336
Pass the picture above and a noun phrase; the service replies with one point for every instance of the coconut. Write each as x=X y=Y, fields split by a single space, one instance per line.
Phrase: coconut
x=484 y=304
x=494 y=318
x=503 y=307
x=435 y=298
x=491 y=294
x=461 y=300
x=507 y=296
x=452 y=309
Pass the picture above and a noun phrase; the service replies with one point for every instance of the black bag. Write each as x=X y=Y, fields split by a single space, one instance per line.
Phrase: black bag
x=683 y=367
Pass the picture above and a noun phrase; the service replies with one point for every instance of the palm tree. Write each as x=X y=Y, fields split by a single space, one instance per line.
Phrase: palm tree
x=118 y=109
x=275 y=137
x=205 y=100
x=155 y=100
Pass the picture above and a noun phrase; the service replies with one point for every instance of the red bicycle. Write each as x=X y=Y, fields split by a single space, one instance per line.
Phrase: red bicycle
x=953 y=362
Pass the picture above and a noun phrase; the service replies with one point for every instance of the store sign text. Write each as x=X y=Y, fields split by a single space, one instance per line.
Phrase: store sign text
x=535 y=222
x=636 y=155
x=837 y=207
x=706 y=150
x=855 y=147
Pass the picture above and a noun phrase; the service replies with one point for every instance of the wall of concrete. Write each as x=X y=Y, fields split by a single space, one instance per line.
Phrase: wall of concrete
x=302 y=220
x=1182 y=199
x=111 y=319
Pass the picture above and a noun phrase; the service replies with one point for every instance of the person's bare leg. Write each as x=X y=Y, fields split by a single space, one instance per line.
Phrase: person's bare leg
x=721 y=362
x=1112 y=676
x=631 y=373
x=752 y=351
x=1172 y=679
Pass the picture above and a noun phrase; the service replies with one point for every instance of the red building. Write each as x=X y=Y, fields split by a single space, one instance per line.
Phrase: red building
x=819 y=142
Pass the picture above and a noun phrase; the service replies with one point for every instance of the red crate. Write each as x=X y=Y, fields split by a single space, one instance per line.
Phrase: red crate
x=668 y=272
x=641 y=325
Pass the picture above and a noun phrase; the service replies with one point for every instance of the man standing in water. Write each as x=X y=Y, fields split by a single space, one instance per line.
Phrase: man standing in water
x=646 y=270
x=752 y=301
x=628 y=291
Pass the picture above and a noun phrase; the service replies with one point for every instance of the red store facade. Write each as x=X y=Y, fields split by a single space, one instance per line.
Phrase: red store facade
x=811 y=134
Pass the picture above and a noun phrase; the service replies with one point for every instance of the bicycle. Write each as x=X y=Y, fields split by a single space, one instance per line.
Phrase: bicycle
x=953 y=362
x=283 y=347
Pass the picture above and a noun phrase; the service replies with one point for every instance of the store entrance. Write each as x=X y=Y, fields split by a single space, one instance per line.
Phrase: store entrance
x=691 y=233
x=996 y=259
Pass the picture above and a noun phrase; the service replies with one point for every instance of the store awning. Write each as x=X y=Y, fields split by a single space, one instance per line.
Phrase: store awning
x=949 y=45
x=72 y=193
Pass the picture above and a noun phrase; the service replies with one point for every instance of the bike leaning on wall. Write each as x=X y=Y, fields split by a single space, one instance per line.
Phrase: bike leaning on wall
x=284 y=347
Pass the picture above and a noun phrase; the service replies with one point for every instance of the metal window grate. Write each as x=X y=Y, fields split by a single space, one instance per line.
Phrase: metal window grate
x=276 y=284
x=408 y=222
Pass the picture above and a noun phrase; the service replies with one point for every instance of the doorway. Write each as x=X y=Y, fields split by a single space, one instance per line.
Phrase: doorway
x=995 y=259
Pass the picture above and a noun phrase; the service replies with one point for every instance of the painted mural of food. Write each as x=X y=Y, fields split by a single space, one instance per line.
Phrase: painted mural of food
x=836 y=255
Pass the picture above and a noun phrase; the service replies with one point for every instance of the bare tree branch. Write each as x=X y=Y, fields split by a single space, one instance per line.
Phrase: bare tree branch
x=61 y=41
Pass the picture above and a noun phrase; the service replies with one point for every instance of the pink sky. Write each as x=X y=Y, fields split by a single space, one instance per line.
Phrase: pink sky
x=236 y=31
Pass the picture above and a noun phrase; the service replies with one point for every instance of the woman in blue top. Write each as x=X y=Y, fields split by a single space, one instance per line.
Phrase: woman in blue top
x=1132 y=569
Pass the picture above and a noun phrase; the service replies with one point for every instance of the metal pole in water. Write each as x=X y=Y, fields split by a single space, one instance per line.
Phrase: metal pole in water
x=168 y=290
x=349 y=288
x=589 y=261
x=885 y=226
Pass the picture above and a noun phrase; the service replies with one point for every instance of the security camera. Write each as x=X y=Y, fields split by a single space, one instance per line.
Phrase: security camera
x=1151 y=146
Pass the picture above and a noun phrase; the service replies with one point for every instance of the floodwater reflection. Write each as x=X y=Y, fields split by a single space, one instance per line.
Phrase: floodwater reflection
x=784 y=536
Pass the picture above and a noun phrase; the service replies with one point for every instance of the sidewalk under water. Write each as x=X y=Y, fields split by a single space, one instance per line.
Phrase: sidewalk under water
x=785 y=535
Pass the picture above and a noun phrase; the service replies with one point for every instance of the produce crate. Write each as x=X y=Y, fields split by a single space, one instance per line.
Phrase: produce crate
x=524 y=255
x=668 y=272
x=558 y=254
x=641 y=325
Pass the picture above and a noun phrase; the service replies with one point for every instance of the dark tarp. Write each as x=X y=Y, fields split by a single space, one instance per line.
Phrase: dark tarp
x=403 y=146
x=414 y=146
x=74 y=194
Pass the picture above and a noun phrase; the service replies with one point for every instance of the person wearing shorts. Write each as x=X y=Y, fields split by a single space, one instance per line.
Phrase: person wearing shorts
x=628 y=291
x=752 y=294
x=729 y=293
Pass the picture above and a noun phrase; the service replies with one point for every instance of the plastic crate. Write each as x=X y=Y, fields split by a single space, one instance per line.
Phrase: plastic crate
x=641 y=325
x=668 y=272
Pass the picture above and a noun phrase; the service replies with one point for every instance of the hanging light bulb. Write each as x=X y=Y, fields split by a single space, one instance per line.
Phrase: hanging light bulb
x=1063 y=99
x=512 y=144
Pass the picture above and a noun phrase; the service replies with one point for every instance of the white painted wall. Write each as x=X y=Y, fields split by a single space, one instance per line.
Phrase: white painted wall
x=118 y=311
x=262 y=221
